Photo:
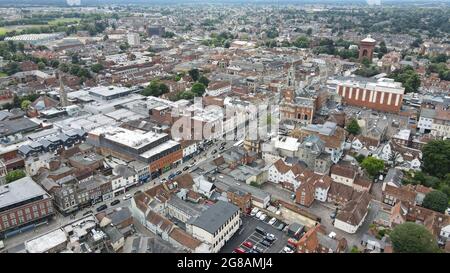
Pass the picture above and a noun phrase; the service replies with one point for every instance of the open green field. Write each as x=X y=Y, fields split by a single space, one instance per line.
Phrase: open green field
x=3 y=75
x=3 y=30
x=63 y=21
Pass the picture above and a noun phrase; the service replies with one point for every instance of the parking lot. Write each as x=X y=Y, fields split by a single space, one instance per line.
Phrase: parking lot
x=248 y=233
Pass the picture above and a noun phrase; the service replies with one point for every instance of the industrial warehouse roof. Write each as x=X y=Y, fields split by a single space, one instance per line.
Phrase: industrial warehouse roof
x=215 y=216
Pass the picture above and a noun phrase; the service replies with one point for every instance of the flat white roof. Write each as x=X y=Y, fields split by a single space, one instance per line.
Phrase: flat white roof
x=106 y=91
x=46 y=242
x=127 y=137
x=166 y=145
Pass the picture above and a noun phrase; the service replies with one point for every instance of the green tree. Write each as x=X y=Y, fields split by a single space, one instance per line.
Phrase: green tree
x=14 y=175
x=365 y=62
x=436 y=158
x=353 y=127
x=194 y=74
x=383 y=48
x=97 y=67
x=198 y=89
x=413 y=238
x=302 y=42
x=41 y=65
x=372 y=165
x=155 y=88
x=204 y=80
x=408 y=77
x=24 y=104
x=436 y=200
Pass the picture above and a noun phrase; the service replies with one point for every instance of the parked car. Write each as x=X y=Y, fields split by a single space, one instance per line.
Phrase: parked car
x=87 y=212
x=266 y=243
x=115 y=202
x=164 y=180
x=185 y=168
x=178 y=173
x=258 y=249
x=260 y=230
x=287 y=250
x=272 y=221
x=171 y=176
x=254 y=211
x=239 y=250
x=248 y=244
x=333 y=215
x=263 y=217
x=270 y=236
x=127 y=196
x=102 y=207
x=221 y=148
x=258 y=214
x=214 y=151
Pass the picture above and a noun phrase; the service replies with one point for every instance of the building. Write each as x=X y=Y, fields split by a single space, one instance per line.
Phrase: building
x=155 y=149
x=352 y=216
x=156 y=30
x=133 y=39
x=23 y=204
x=316 y=241
x=366 y=48
x=216 y=225
x=382 y=95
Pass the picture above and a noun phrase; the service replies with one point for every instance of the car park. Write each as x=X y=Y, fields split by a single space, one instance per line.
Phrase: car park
x=115 y=202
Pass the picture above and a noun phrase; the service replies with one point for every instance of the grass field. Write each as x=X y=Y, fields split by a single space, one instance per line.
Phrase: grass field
x=3 y=31
x=63 y=21
x=3 y=74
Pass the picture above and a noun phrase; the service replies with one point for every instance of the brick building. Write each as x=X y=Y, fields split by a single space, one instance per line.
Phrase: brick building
x=23 y=203
x=382 y=95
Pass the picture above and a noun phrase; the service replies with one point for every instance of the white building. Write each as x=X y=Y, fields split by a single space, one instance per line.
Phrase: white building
x=352 y=216
x=133 y=39
x=218 y=88
x=216 y=225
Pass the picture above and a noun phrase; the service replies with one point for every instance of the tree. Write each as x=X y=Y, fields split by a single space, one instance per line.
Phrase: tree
x=365 y=62
x=353 y=127
x=198 y=89
x=194 y=74
x=96 y=67
x=413 y=238
x=408 y=77
x=204 y=80
x=24 y=104
x=41 y=65
x=155 y=88
x=383 y=48
x=372 y=165
x=436 y=157
x=14 y=175
x=302 y=42
x=436 y=200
